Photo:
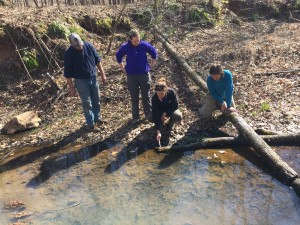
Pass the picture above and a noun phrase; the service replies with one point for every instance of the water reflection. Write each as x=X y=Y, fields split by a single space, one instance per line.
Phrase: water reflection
x=149 y=189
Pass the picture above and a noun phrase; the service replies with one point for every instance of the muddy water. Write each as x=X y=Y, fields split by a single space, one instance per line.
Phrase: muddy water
x=192 y=188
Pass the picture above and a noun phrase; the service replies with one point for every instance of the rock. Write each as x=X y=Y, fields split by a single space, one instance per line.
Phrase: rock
x=24 y=121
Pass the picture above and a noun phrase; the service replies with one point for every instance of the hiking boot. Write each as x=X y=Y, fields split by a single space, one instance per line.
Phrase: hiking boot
x=134 y=122
x=100 y=122
x=93 y=128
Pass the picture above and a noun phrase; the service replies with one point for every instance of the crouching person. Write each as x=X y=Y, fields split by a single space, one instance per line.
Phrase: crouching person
x=165 y=110
x=220 y=92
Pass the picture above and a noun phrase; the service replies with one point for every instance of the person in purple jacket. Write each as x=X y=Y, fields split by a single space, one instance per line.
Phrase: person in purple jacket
x=164 y=107
x=137 y=70
x=80 y=62
x=220 y=91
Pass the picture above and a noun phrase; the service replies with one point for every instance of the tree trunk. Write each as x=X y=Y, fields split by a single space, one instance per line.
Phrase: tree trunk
x=285 y=173
x=274 y=161
x=283 y=139
x=191 y=73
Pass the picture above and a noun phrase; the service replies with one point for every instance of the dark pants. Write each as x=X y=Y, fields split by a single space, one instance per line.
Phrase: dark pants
x=175 y=117
x=135 y=83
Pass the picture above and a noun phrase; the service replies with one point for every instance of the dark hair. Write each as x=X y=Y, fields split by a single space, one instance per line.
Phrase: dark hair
x=133 y=33
x=216 y=69
x=161 y=85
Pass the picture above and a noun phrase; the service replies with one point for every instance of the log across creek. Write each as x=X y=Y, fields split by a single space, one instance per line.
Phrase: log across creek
x=283 y=171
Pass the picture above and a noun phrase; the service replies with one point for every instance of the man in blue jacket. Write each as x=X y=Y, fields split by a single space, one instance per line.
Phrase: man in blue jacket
x=220 y=91
x=80 y=62
x=137 y=70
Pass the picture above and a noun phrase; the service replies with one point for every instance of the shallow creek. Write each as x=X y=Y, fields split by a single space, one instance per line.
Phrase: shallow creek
x=190 y=188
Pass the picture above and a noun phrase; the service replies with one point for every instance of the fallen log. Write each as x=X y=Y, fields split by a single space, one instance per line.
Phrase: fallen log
x=283 y=139
x=277 y=72
x=284 y=173
x=191 y=73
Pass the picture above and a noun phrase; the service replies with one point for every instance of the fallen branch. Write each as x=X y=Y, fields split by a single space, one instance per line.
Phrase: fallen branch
x=277 y=72
x=262 y=131
x=191 y=73
x=16 y=48
x=283 y=139
x=284 y=173
x=43 y=48
x=59 y=94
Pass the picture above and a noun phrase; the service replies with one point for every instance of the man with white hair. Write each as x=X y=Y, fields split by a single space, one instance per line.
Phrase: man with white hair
x=80 y=62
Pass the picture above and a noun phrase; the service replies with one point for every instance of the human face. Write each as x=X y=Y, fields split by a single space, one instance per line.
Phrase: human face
x=161 y=94
x=79 y=47
x=216 y=77
x=135 y=41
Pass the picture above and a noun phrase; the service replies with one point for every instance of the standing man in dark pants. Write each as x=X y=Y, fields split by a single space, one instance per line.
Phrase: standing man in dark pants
x=137 y=70
x=80 y=62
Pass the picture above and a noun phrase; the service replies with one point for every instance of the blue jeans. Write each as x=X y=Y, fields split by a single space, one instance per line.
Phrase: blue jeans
x=88 y=90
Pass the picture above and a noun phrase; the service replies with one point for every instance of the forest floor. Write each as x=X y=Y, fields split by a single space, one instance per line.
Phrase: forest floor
x=250 y=51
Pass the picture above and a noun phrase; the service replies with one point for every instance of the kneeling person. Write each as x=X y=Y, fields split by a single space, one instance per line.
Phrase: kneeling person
x=220 y=91
x=164 y=107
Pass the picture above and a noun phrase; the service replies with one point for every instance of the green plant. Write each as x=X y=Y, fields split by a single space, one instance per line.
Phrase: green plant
x=104 y=25
x=242 y=106
x=30 y=59
x=254 y=113
x=76 y=29
x=195 y=14
x=297 y=4
x=255 y=17
x=124 y=23
x=144 y=17
x=41 y=29
x=173 y=6
x=143 y=35
x=2 y=33
x=265 y=106
x=57 y=30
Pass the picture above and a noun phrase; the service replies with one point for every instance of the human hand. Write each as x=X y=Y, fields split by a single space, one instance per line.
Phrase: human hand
x=104 y=80
x=122 y=67
x=152 y=64
x=232 y=109
x=158 y=136
x=72 y=91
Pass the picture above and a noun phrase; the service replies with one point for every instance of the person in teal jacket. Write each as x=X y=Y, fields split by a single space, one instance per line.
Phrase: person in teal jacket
x=220 y=91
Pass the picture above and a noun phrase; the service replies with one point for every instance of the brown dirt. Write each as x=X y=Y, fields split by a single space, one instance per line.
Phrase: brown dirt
x=269 y=102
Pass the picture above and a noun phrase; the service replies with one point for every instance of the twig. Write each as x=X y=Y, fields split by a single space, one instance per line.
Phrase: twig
x=58 y=95
x=276 y=72
x=16 y=49
x=53 y=82
x=8 y=154
x=115 y=28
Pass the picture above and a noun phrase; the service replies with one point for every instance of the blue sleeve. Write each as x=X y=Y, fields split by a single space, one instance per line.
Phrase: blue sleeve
x=120 y=54
x=67 y=65
x=228 y=87
x=151 y=50
x=212 y=91
x=95 y=53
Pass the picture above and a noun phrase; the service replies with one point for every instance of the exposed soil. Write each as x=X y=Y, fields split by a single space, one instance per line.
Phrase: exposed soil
x=249 y=50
